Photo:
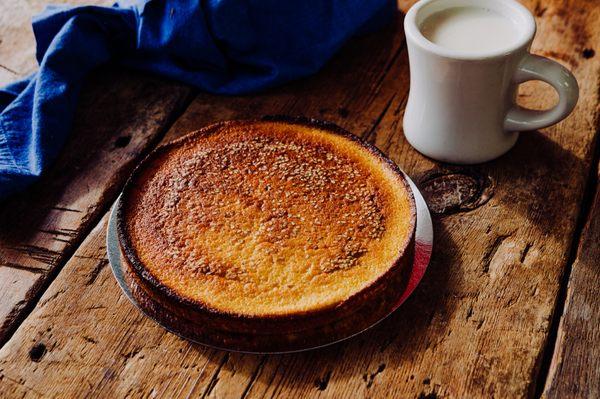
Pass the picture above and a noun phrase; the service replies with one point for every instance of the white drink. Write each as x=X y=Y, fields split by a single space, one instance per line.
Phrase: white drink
x=470 y=29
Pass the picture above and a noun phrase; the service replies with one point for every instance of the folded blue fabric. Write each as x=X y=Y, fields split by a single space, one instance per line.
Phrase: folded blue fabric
x=221 y=46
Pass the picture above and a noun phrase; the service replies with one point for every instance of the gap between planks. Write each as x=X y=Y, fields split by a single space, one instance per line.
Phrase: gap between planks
x=585 y=212
x=43 y=283
x=579 y=210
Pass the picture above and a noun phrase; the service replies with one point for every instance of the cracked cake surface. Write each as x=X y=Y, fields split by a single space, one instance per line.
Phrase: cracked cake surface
x=267 y=218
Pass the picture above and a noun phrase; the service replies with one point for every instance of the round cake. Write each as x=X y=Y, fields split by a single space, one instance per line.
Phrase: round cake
x=267 y=235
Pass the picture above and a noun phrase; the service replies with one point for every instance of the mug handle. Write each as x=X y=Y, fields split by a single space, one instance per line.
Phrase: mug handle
x=534 y=67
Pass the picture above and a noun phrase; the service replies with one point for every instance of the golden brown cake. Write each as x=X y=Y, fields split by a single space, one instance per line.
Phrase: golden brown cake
x=257 y=234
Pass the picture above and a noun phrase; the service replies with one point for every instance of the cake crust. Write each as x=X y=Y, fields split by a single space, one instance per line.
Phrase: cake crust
x=167 y=211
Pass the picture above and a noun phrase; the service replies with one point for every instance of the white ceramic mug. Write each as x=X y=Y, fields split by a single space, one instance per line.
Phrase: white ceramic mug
x=462 y=105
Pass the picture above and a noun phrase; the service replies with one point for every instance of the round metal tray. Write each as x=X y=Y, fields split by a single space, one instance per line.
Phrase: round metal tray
x=423 y=247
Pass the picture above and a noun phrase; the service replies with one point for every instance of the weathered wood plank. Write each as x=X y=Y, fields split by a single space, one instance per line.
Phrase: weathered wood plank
x=120 y=114
x=17 y=43
x=102 y=331
x=475 y=327
x=99 y=317
x=575 y=367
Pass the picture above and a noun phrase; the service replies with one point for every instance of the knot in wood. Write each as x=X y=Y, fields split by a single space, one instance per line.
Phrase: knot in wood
x=456 y=191
x=37 y=352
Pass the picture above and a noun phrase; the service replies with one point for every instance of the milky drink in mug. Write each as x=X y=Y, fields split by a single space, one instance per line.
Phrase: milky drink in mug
x=467 y=58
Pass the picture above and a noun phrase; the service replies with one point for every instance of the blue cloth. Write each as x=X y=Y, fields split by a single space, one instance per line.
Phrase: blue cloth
x=221 y=46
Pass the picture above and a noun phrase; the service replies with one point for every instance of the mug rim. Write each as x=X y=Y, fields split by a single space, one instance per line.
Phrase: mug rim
x=413 y=32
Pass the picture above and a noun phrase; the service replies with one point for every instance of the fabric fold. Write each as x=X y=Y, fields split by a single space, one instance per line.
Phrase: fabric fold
x=221 y=46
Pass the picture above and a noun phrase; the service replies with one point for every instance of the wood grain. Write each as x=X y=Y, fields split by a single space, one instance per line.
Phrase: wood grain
x=17 y=43
x=575 y=367
x=119 y=115
x=477 y=325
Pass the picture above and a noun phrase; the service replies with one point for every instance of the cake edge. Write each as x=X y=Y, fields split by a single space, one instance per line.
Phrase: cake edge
x=198 y=310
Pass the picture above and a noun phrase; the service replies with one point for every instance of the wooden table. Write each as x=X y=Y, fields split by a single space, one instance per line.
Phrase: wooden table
x=509 y=305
